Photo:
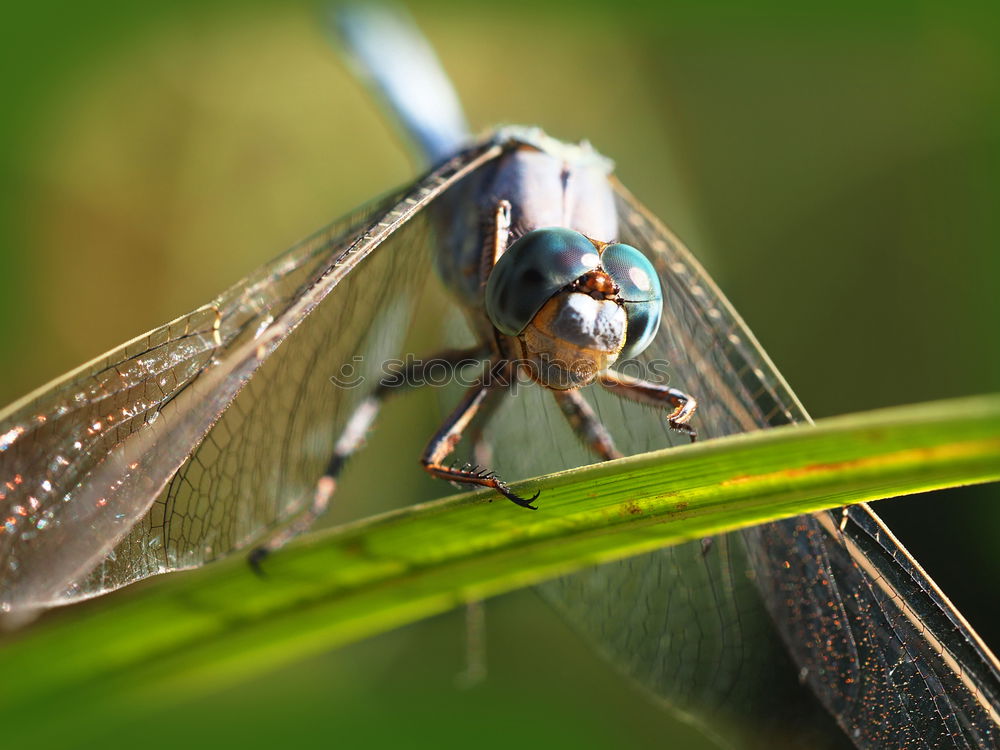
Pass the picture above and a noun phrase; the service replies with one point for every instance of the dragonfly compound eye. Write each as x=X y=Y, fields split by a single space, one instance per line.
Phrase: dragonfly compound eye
x=640 y=293
x=531 y=271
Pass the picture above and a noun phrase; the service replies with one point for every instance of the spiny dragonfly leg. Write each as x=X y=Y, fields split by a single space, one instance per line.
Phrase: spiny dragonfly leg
x=353 y=437
x=448 y=436
x=655 y=395
x=585 y=423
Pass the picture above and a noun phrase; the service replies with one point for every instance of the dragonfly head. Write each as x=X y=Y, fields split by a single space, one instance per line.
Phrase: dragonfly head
x=576 y=305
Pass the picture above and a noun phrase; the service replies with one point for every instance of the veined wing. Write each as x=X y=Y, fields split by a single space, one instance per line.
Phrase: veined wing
x=878 y=642
x=881 y=647
x=145 y=458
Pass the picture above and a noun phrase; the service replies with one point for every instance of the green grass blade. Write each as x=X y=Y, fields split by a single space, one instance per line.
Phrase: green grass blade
x=204 y=628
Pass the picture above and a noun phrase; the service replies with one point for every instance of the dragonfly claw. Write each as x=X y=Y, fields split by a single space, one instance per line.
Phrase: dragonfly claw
x=517 y=499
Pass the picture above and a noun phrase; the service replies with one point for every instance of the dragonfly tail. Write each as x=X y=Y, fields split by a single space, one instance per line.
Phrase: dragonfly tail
x=393 y=58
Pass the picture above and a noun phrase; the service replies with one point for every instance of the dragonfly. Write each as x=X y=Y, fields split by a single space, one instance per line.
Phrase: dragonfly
x=226 y=430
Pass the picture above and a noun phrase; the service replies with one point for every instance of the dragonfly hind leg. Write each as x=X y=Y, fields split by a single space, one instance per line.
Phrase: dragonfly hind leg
x=353 y=437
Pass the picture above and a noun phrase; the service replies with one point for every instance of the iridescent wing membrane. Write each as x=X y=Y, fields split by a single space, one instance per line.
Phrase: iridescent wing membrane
x=111 y=463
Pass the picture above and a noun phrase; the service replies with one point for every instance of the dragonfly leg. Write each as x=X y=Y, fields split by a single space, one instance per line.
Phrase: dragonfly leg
x=447 y=437
x=496 y=243
x=353 y=437
x=656 y=395
x=585 y=424
x=482 y=451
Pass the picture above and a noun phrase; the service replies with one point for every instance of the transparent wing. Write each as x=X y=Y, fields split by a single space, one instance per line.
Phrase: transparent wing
x=162 y=454
x=878 y=642
x=882 y=649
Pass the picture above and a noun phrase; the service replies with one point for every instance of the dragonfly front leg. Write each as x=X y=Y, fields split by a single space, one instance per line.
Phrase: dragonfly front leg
x=656 y=395
x=353 y=437
x=448 y=436
x=497 y=241
x=585 y=424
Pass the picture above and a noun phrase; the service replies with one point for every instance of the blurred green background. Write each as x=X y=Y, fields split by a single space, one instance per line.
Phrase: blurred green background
x=836 y=170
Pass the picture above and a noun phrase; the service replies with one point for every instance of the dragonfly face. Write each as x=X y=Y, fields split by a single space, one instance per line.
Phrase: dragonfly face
x=575 y=305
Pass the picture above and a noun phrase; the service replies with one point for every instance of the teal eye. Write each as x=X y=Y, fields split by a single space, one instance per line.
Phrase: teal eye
x=531 y=271
x=639 y=290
